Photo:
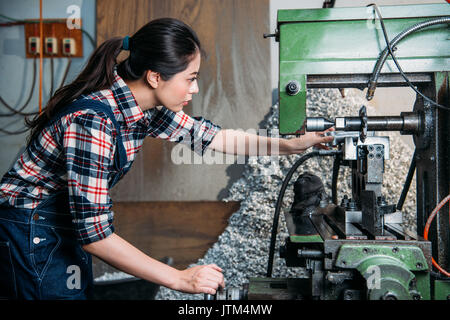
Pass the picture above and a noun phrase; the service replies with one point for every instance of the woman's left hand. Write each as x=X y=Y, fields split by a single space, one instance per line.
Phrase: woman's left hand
x=309 y=139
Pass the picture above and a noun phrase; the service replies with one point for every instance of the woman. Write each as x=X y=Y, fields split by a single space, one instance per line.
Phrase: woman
x=55 y=205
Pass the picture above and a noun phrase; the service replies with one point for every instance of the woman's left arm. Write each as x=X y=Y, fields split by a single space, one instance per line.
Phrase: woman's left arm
x=241 y=143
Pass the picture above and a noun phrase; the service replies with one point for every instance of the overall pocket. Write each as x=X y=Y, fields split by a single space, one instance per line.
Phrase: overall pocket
x=44 y=242
x=69 y=276
x=8 y=288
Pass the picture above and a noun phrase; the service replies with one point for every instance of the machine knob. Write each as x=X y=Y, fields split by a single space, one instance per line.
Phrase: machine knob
x=389 y=296
x=292 y=88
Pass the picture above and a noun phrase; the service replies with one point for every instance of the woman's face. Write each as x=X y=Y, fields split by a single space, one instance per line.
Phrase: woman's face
x=175 y=93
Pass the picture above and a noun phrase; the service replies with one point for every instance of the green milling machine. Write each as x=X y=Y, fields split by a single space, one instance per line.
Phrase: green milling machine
x=355 y=248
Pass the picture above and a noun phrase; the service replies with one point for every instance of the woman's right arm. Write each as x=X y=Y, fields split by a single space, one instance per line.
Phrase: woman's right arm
x=120 y=254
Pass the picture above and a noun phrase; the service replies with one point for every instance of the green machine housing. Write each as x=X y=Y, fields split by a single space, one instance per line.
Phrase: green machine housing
x=338 y=48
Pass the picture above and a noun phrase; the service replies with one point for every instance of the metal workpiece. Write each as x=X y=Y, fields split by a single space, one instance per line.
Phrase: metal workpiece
x=407 y=122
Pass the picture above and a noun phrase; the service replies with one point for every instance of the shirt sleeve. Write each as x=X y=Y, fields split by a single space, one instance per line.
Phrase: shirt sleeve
x=195 y=132
x=89 y=149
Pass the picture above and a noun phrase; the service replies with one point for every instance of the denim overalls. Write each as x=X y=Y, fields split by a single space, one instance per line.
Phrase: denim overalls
x=40 y=257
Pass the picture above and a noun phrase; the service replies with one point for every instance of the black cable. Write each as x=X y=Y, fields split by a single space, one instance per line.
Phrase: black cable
x=438 y=275
x=14 y=132
x=281 y=196
x=409 y=177
x=69 y=62
x=19 y=111
x=388 y=51
x=51 y=75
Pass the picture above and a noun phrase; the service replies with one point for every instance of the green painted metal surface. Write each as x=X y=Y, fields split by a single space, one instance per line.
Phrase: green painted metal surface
x=442 y=290
x=349 y=41
x=388 y=12
x=352 y=255
x=402 y=270
x=306 y=238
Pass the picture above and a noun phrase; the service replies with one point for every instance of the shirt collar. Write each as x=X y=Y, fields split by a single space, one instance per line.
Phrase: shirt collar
x=125 y=100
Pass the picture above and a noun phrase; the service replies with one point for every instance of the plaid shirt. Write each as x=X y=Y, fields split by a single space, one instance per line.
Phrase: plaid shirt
x=77 y=152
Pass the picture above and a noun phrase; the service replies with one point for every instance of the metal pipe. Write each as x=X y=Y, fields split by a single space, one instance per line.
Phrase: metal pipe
x=381 y=60
x=385 y=123
x=407 y=122
x=310 y=254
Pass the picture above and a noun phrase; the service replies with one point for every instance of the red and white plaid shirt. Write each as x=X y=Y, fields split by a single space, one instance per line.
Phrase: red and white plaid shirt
x=77 y=152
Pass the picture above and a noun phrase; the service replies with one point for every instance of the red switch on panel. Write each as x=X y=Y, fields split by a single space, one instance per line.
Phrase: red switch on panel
x=34 y=45
x=69 y=46
x=51 y=46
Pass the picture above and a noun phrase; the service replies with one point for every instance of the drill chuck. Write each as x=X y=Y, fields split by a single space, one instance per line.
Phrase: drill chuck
x=318 y=124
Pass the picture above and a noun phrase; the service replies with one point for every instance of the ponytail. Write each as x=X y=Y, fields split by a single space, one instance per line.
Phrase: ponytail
x=97 y=75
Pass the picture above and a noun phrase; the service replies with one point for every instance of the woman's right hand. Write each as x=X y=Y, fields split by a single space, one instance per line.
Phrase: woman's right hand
x=200 y=279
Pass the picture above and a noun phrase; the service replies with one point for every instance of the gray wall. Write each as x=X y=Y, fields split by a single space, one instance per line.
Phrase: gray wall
x=16 y=71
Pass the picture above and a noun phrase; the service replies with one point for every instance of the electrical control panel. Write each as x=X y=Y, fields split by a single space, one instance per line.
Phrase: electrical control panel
x=59 y=41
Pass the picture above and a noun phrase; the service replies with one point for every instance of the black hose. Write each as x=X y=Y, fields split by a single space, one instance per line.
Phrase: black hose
x=334 y=178
x=412 y=168
x=281 y=196
x=438 y=275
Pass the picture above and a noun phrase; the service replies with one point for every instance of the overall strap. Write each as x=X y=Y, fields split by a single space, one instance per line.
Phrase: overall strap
x=120 y=157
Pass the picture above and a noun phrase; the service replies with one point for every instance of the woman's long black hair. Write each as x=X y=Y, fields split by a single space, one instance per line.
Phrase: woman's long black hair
x=164 y=45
